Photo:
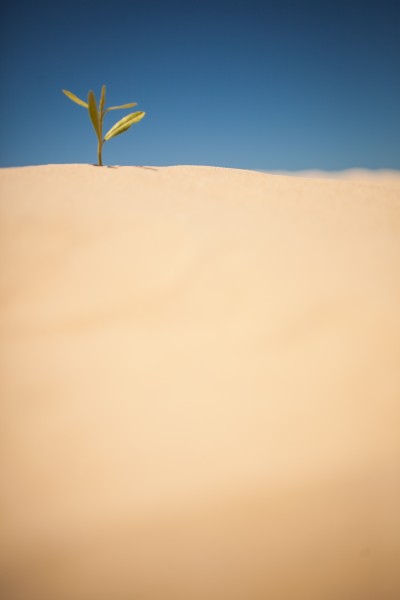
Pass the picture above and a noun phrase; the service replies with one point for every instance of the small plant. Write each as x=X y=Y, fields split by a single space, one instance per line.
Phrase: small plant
x=97 y=113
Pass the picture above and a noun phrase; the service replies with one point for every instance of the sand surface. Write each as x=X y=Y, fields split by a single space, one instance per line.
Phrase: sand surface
x=200 y=385
x=385 y=177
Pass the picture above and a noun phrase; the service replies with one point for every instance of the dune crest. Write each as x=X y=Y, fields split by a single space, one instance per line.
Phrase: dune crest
x=200 y=384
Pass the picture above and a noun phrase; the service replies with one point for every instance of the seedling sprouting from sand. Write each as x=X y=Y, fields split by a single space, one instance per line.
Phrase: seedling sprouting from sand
x=97 y=113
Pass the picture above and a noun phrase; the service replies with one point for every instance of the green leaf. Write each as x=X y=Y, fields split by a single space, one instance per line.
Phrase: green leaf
x=102 y=98
x=122 y=106
x=124 y=124
x=74 y=98
x=94 y=115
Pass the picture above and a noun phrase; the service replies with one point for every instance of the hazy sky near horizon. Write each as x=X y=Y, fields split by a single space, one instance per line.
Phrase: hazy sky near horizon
x=266 y=85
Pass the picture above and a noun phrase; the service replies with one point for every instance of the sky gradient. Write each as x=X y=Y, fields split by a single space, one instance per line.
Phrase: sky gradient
x=272 y=85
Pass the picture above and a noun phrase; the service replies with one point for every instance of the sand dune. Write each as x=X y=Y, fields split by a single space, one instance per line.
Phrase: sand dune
x=200 y=385
x=381 y=177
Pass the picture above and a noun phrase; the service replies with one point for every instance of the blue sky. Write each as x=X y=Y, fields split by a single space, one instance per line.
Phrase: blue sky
x=267 y=85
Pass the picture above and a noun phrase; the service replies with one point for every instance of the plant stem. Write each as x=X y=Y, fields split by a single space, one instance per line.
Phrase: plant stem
x=99 y=149
x=100 y=142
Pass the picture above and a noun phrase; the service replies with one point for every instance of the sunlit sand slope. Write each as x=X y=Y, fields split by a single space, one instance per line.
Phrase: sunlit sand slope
x=200 y=385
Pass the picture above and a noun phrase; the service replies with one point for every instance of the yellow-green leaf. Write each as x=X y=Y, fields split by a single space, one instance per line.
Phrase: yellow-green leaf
x=74 y=98
x=122 y=106
x=94 y=115
x=102 y=98
x=124 y=124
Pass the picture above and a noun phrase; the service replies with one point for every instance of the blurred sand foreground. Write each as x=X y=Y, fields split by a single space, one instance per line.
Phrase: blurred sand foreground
x=200 y=385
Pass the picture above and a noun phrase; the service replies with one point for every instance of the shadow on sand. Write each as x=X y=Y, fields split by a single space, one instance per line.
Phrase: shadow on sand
x=134 y=166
